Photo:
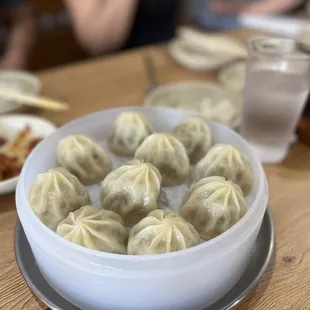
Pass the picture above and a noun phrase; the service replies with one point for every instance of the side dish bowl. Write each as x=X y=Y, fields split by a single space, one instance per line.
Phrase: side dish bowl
x=20 y=81
x=189 y=279
x=13 y=124
x=204 y=98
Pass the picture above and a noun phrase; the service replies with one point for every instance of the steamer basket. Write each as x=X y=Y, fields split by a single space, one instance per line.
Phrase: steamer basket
x=189 y=279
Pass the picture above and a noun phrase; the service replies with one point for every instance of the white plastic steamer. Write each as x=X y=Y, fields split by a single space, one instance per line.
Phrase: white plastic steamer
x=189 y=279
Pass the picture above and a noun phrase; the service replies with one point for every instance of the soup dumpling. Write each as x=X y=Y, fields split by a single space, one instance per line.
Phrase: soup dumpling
x=162 y=231
x=55 y=194
x=83 y=157
x=100 y=230
x=128 y=132
x=167 y=154
x=226 y=161
x=132 y=190
x=213 y=205
x=196 y=136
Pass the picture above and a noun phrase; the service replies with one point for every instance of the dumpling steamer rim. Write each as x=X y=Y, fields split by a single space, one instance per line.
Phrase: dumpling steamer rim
x=260 y=258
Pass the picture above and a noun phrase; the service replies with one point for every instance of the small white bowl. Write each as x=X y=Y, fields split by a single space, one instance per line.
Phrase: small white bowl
x=207 y=99
x=20 y=81
x=10 y=125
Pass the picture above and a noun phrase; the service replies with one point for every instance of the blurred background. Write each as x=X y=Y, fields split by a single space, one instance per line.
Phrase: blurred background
x=56 y=44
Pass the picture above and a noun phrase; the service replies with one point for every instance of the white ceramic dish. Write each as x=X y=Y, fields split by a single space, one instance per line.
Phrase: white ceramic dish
x=212 y=43
x=20 y=81
x=191 y=57
x=204 y=98
x=233 y=77
x=198 y=50
x=10 y=125
x=189 y=279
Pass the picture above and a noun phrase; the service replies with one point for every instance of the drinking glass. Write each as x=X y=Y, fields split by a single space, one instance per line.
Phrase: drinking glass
x=275 y=92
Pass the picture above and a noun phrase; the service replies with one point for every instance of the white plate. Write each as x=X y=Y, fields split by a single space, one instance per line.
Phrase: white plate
x=10 y=126
x=215 y=44
x=20 y=81
x=233 y=77
x=198 y=50
x=191 y=57
x=206 y=99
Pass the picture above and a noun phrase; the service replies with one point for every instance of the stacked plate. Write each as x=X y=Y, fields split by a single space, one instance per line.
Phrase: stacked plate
x=196 y=50
x=205 y=51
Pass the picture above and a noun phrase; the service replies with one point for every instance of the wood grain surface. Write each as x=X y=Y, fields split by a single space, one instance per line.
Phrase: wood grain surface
x=121 y=81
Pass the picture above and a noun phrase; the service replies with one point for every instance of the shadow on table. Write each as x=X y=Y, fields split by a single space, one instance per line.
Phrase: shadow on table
x=298 y=158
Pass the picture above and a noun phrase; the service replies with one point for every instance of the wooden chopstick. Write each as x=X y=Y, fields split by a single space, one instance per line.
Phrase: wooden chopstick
x=34 y=101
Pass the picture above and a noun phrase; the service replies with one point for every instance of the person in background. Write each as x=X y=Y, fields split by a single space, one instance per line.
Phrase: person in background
x=104 y=26
x=223 y=14
x=19 y=17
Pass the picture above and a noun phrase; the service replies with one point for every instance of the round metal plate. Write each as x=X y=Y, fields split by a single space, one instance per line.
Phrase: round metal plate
x=260 y=258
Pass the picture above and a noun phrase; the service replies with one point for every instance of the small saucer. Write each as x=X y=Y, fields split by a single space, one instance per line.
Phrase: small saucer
x=258 y=263
x=20 y=81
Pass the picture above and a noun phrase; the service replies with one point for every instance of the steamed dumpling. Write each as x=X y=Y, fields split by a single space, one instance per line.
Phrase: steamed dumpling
x=167 y=154
x=162 y=231
x=100 y=230
x=213 y=205
x=132 y=190
x=226 y=161
x=128 y=132
x=196 y=136
x=84 y=158
x=55 y=194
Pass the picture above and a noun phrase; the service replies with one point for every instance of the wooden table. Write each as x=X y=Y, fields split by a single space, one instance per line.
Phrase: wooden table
x=121 y=81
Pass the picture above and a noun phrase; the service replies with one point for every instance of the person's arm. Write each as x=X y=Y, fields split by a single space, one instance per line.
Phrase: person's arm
x=258 y=7
x=22 y=34
x=102 y=25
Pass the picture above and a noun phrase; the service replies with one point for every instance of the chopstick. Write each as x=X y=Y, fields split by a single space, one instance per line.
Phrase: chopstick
x=34 y=101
